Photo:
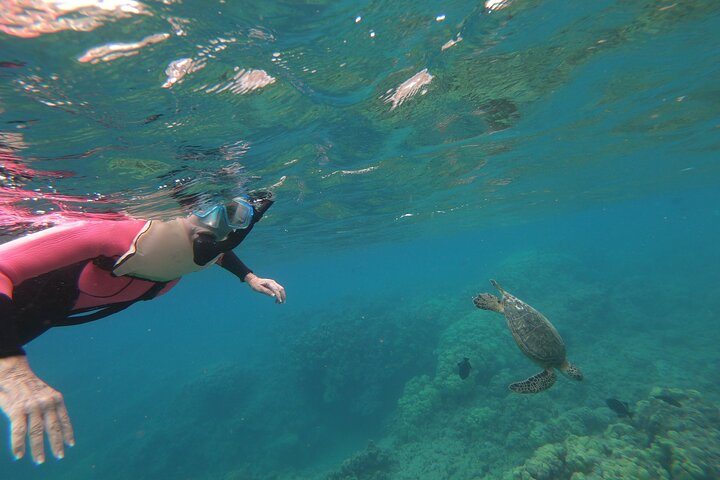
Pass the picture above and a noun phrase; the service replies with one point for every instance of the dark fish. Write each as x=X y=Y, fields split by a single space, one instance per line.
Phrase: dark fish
x=20 y=122
x=464 y=368
x=669 y=399
x=12 y=64
x=621 y=408
x=151 y=118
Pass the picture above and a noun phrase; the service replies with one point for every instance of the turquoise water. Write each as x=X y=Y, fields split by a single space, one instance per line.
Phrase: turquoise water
x=566 y=150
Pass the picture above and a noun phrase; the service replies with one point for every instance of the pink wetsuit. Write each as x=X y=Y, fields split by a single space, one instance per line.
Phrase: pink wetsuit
x=50 y=275
x=63 y=275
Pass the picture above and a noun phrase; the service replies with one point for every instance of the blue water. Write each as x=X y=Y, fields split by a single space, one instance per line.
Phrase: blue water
x=567 y=151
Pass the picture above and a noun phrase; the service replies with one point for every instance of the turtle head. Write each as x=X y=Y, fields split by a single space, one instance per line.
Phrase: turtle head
x=486 y=301
x=571 y=370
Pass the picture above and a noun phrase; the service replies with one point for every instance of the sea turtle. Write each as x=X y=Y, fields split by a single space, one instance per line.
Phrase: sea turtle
x=535 y=336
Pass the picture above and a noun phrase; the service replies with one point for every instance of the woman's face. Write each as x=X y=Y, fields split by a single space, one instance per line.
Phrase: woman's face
x=196 y=228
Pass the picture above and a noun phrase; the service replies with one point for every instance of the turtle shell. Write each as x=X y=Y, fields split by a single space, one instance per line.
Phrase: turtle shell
x=533 y=333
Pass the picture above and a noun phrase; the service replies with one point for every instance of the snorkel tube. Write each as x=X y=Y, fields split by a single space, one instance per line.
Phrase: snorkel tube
x=206 y=247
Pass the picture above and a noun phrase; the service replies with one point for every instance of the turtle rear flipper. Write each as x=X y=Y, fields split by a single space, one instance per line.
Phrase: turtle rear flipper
x=571 y=370
x=537 y=383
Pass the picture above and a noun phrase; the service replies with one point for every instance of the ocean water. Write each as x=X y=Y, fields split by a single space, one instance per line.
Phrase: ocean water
x=566 y=149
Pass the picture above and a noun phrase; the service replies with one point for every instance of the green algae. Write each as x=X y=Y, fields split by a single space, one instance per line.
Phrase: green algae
x=140 y=169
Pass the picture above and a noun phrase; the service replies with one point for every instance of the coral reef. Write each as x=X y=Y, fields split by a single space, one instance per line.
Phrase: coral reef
x=473 y=337
x=373 y=463
x=352 y=361
x=661 y=441
x=480 y=430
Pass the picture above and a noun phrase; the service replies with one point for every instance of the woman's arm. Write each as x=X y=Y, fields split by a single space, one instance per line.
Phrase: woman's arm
x=230 y=262
x=10 y=344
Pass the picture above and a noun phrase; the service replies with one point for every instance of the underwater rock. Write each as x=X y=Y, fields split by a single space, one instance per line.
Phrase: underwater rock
x=446 y=401
x=350 y=361
x=417 y=402
x=373 y=463
x=669 y=400
x=618 y=406
x=546 y=463
x=578 y=422
x=662 y=442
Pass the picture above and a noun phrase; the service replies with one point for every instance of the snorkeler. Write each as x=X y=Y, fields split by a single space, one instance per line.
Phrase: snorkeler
x=84 y=271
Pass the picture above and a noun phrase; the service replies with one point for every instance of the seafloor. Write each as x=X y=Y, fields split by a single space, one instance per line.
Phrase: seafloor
x=378 y=376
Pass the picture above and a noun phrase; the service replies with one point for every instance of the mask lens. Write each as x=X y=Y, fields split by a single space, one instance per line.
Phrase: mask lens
x=239 y=213
x=212 y=218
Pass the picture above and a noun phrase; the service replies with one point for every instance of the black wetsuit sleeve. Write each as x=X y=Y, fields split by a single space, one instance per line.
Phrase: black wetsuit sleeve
x=230 y=262
x=10 y=344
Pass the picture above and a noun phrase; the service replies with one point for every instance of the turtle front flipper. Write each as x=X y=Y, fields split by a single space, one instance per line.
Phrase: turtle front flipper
x=571 y=370
x=497 y=285
x=536 y=383
x=486 y=301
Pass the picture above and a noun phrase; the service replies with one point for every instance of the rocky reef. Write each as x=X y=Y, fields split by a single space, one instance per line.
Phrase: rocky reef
x=673 y=434
x=352 y=361
x=373 y=463
x=457 y=429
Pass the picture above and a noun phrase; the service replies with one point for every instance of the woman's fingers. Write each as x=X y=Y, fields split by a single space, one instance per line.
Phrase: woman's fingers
x=280 y=292
x=269 y=287
x=276 y=290
x=54 y=430
x=50 y=416
x=33 y=408
x=18 y=430
x=37 y=429
x=67 y=429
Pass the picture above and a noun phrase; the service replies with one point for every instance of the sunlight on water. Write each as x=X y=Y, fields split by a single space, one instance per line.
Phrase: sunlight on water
x=471 y=127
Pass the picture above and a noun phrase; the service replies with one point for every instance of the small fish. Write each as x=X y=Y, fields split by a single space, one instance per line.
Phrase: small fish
x=151 y=118
x=621 y=408
x=21 y=122
x=464 y=368
x=669 y=399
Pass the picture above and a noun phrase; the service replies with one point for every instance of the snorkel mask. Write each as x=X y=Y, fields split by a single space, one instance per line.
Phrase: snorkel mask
x=229 y=224
x=223 y=219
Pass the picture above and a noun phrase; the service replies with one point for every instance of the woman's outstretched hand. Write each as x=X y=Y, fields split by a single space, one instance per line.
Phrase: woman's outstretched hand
x=33 y=408
x=268 y=286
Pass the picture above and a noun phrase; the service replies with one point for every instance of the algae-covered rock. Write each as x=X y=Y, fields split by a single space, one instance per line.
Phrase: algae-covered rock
x=417 y=402
x=674 y=434
x=351 y=360
x=547 y=463
x=478 y=338
x=373 y=463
